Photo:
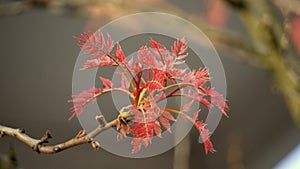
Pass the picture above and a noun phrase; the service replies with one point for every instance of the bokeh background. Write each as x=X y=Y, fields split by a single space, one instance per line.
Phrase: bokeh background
x=38 y=55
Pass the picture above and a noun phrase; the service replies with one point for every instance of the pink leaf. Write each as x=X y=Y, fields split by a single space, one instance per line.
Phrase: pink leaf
x=186 y=108
x=157 y=128
x=179 y=48
x=195 y=117
x=218 y=100
x=101 y=41
x=106 y=82
x=168 y=116
x=91 y=64
x=207 y=143
x=82 y=100
x=119 y=53
x=155 y=44
x=165 y=122
x=109 y=43
x=124 y=82
x=205 y=102
x=161 y=50
x=199 y=125
x=136 y=146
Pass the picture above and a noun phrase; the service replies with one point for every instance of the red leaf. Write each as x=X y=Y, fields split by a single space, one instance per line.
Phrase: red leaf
x=186 y=108
x=101 y=41
x=199 y=125
x=109 y=43
x=165 y=122
x=119 y=53
x=91 y=64
x=82 y=100
x=209 y=147
x=207 y=143
x=157 y=129
x=106 y=82
x=168 y=116
x=179 y=48
x=153 y=85
x=195 y=117
x=161 y=50
x=136 y=146
x=218 y=100
x=124 y=82
x=205 y=102
x=155 y=44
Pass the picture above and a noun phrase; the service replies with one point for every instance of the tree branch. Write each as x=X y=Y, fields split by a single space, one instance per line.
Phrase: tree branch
x=38 y=144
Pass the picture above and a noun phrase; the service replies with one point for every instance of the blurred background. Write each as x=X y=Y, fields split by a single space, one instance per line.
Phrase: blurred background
x=258 y=43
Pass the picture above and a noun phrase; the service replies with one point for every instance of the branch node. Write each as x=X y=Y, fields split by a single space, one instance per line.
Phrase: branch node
x=95 y=145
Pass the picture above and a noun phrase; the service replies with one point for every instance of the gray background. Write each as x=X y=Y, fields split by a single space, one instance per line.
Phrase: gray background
x=37 y=58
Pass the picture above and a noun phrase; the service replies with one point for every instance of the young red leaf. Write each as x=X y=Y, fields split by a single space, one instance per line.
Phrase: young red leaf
x=207 y=143
x=82 y=100
x=168 y=115
x=119 y=53
x=186 y=108
x=179 y=47
x=218 y=100
x=106 y=82
x=165 y=122
x=109 y=43
x=199 y=125
x=157 y=129
x=205 y=102
x=136 y=145
x=124 y=82
x=100 y=40
x=91 y=64
x=195 y=117
x=155 y=44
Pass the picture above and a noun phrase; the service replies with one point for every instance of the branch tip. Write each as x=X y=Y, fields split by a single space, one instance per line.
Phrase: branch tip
x=45 y=138
x=100 y=120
